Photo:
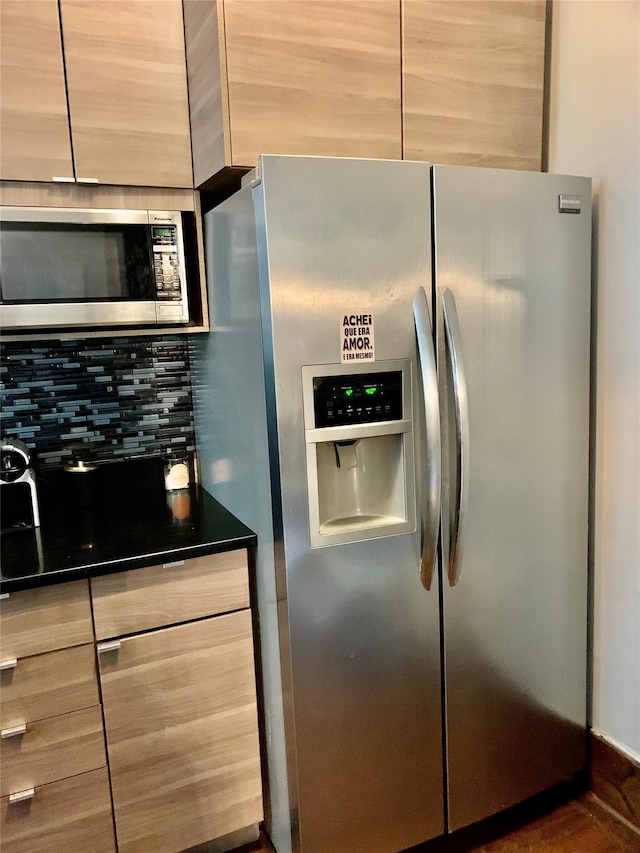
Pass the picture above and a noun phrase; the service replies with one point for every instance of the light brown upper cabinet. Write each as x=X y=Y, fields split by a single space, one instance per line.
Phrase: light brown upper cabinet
x=126 y=79
x=325 y=78
x=34 y=123
x=292 y=77
x=473 y=81
x=122 y=119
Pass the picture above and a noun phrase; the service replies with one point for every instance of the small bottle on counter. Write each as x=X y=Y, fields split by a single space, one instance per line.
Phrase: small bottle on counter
x=176 y=473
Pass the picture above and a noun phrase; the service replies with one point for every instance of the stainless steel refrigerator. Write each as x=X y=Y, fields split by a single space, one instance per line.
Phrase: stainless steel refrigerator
x=395 y=397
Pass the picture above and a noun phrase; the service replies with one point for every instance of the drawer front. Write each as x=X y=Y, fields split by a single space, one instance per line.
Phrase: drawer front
x=47 y=685
x=41 y=620
x=167 y=594
x=64 y=817
x=51 y=749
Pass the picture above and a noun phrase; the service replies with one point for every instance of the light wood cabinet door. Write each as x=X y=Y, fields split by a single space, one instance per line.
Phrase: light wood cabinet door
x=319 y=78
x=43 y=619
x=182 y=734
x=297 y=77
x=64 y=817
x=34 y=123
x=126 y=79
x=473 y=82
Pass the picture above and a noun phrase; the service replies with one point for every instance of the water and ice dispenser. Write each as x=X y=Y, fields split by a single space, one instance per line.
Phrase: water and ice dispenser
x=359 y=442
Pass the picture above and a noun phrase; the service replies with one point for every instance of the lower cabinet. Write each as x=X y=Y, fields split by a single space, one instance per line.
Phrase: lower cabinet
x=176 y=667
x=182 y=733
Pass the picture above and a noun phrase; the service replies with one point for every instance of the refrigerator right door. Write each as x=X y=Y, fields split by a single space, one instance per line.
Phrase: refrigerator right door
x=512 y=296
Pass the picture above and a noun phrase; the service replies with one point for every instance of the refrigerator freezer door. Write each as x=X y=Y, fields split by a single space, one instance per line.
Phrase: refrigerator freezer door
x=349 y=239
x=515 y=623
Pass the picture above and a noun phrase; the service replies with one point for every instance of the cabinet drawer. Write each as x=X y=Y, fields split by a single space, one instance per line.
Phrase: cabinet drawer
x=52 y=749
x=47 y=685
x=167 y=594
x=64 y=817
x=44 y=619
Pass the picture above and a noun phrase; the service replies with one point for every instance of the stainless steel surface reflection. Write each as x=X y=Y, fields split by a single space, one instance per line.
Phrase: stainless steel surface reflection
x=515 y=624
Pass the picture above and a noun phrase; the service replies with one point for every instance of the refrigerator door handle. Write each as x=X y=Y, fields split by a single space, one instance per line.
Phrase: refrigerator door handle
x=452 y=346
x=427 y=359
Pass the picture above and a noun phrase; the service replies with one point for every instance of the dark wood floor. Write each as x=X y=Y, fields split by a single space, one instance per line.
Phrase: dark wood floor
x=582 y=825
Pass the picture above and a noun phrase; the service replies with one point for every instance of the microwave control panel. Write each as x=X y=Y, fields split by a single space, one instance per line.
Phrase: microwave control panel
x=166 y=265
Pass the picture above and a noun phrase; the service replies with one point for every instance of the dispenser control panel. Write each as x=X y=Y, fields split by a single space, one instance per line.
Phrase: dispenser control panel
x=359 y=398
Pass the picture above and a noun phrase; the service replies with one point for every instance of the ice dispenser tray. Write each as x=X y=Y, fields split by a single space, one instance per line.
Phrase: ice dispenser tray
x=359 y=444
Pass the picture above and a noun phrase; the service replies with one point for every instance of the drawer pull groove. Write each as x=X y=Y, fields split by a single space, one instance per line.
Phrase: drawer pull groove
x=20 y=796
x=14 y=731
x=112 y=646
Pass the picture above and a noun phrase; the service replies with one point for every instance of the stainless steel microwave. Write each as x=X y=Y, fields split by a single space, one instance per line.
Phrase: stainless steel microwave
x=71 y=268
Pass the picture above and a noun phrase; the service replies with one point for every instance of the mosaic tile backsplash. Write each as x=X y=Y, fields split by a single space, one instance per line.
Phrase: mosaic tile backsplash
x=100 y=399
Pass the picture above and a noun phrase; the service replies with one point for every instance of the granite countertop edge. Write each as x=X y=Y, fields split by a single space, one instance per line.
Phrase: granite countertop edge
x=140 y=561
x=233 y=535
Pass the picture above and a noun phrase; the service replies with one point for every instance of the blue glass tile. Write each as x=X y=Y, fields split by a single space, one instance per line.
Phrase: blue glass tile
x=119 y=397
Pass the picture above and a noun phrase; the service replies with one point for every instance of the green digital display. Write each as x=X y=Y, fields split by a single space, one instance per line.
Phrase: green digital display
x=359 y=398
x=162 y=232
x=369 y=390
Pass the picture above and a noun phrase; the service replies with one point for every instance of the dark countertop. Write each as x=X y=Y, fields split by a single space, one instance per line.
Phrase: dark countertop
x=123 y=528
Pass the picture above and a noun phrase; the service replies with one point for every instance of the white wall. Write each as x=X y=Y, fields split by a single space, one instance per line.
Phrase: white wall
x=595 y=130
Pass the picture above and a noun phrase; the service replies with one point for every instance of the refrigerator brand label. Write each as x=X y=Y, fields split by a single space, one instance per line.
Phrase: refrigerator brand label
x=569 y=203
x=356 y=338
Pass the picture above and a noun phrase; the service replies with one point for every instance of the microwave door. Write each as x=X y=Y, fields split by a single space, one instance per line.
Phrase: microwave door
x=61 y=274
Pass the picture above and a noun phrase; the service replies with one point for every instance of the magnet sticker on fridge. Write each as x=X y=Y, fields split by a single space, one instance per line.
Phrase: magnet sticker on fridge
x=356 y=338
